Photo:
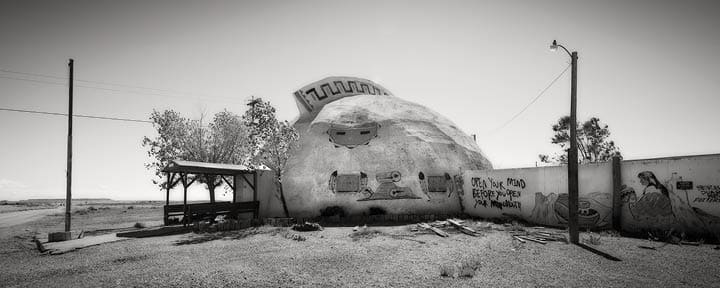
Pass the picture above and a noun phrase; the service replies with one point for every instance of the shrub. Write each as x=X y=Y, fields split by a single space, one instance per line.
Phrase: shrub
x=592 y=239
x=332 y=211
x=447 y=270
x=377 y=211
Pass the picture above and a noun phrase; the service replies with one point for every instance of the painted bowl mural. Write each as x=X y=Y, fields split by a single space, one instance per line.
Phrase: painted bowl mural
x=587 y=217
x=362 y=147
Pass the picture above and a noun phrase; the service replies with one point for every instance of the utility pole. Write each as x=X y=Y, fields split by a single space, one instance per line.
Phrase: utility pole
x=68 y=188
x=573 y=224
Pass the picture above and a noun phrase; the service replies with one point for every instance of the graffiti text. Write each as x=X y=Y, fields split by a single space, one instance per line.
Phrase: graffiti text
x=493 y=193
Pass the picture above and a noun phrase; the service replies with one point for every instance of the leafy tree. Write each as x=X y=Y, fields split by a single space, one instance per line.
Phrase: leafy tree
x=272 y=141
x=592 y=138
x=224 y=140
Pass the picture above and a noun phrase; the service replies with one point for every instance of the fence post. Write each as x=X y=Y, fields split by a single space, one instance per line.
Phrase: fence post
x=616 y=197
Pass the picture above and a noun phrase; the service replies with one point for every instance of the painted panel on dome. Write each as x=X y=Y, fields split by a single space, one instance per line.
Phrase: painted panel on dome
x=347 y=182
x=388 y=189
x=352 y=136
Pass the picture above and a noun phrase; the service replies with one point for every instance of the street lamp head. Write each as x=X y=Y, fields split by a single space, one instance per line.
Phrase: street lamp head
x=554 y=46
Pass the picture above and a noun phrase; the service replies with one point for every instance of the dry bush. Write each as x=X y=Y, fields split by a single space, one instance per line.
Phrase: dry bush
x=365 y=234
x=592 y=239
x=447 y=270
x=465 y=269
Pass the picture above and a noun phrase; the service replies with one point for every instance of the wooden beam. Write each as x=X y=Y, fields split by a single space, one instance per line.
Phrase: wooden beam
x=173 y=180
x=191 y=182
x=257 y=209
x=255 y=178
x=248 y=181
x=185 y=207
x=228 y=182
x=235 y=188
x=167 y=186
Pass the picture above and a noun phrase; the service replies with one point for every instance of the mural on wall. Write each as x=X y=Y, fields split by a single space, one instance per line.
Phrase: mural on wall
x=552 y=209
x=662 y=206
x=501 y=194
x=347 y=182
x=388 y=189
x=352 y=136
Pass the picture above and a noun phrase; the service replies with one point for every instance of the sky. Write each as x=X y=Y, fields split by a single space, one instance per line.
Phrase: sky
x=648 y=69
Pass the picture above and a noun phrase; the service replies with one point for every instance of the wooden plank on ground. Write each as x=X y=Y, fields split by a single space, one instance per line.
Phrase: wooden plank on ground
x=533 y=239
x=436 y=230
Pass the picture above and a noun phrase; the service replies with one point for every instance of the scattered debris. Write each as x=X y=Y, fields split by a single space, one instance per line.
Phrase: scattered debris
x=464 y=229
x=437 y=231
x=541 y=237
x=81 y=235
x=295 y=237
x=363 y=232
x=307 y=226
x=519 y=239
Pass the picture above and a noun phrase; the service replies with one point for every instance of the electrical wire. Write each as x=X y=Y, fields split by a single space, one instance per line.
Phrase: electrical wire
x=76 y=115
x=32 y=80
x=191 y=95
x=533 y=100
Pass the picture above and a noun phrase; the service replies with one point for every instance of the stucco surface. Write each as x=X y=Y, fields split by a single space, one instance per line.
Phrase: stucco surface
x=411 y=139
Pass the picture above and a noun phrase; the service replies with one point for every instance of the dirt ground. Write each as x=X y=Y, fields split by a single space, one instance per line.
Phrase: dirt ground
x=390 y=256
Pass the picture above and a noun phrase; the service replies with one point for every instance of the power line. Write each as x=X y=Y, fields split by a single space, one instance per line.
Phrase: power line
x=193 y=95
x=32 y=80
x=533 y=100
x=76 y=115
x=33 y=74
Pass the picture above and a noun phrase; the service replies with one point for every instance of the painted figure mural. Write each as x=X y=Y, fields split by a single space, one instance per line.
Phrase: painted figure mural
x=660 y=206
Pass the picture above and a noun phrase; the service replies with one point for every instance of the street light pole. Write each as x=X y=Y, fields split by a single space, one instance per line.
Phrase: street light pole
x=573 y=225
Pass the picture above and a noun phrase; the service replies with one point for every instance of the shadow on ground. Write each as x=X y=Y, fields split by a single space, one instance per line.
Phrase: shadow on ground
x=225 y=235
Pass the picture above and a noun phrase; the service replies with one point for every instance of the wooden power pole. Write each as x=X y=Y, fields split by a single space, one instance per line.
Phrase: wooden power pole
x=68 y=188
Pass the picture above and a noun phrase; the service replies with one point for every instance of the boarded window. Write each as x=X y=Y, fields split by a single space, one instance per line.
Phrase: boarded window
x=348 y=183
x=437 y=184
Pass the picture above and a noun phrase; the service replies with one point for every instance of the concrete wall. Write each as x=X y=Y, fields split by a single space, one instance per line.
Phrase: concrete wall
x=681 y=193
x=539 y=195
x=678 y=193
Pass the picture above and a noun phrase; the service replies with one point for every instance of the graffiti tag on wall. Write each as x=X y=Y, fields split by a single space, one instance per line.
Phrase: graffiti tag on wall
x=710 y=194
x=497 y=193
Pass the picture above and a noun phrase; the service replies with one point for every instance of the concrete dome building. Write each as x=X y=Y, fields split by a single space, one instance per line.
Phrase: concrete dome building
x=361 y=147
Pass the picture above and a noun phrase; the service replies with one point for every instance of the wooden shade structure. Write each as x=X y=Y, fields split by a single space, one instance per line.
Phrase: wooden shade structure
x=178 y=171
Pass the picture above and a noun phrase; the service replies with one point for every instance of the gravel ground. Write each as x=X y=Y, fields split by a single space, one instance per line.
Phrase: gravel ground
x=393 y=257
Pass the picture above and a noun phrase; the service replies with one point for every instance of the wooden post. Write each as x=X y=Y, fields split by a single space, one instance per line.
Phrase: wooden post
x=68 y=186
x=167 y=193
x=617 y=190
x=255 y=188
x=235 y=188
x=573 y=187
x=183 y=178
